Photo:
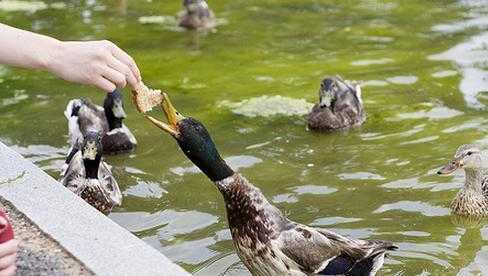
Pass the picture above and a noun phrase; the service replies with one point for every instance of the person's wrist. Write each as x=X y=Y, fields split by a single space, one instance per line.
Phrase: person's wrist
x=49 y=61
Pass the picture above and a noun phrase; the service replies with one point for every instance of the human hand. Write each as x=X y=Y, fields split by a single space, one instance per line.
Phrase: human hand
x=98 y=63
x=8 y=255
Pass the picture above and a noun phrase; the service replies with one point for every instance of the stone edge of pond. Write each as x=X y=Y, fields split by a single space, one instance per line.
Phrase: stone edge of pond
x=104 y=247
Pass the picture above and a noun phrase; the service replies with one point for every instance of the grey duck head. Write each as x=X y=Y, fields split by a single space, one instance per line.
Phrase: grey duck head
x=92 y=153
x=194 y=140
x=333 y=89
x=466 y=157
x=193 y=6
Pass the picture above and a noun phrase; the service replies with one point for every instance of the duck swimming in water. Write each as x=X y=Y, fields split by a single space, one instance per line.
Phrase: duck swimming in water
x=197 y=15
x=266 y=241
x=472 y=199
x=340 y=106
x=82 y=115
x=89 y=177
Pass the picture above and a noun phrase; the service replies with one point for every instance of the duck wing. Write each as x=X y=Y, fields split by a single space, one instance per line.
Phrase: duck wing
x=109 y=185
x=92 y=117
x=118 y=140
x=322 y=252
x=484 y=186
x=82 y=115
x=74 y=175
x=324 y=119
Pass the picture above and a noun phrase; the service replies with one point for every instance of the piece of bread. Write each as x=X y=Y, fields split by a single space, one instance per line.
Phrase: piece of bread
x=146 y=98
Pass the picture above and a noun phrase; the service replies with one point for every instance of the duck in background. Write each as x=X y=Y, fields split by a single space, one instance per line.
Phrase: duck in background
x=472 y=199
x=266 y=241
x=82 y=115
x=196 y=16
x=89 y=177
x=340 y=106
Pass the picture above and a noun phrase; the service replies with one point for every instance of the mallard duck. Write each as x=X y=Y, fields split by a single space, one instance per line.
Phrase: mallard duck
x=472 y=199
x=266 y=241
x=89 y=177
x=196 y=16
x=83 y=115
x=340 y=106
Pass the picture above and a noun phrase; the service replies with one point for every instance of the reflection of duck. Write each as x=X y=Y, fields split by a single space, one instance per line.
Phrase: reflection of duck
x=340 y=106
x=89 y=177
x=122 y=7
x=266 y=241
x=83 y=116
x=471 y=243
x=472 y=199
x=196 y=16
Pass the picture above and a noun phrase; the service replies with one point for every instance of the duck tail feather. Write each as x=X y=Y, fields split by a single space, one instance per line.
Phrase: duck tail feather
x=73 y=108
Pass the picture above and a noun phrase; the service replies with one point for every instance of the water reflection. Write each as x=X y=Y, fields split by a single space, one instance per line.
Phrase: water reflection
x=416 y=207
x=470 y=55
x=235 y=162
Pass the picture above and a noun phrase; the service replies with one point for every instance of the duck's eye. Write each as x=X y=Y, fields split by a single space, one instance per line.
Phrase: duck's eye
x=469 y=153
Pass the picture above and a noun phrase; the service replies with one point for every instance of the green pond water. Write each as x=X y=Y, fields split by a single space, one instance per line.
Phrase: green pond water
x=423 y=65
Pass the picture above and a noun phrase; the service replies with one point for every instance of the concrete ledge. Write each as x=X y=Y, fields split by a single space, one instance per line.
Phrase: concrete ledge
x=100 y=244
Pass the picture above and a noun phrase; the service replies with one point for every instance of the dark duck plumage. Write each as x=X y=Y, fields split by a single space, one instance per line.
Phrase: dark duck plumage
x=340 y=106
x=89 y=177
x=84 y=116
x=266 y=241
x=196 y=15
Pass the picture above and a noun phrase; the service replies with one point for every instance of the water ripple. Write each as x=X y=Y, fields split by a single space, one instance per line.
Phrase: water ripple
x=414 y=207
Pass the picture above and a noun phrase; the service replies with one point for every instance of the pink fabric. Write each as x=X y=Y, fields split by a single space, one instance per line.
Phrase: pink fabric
x=6 y=231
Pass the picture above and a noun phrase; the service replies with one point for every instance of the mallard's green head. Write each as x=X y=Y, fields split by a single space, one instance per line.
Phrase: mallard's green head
x=92 y=145
x=114 y=103
x=92 y=153
x=330 y=87
x=466 y=157
x=194 y=140
x=114 y=109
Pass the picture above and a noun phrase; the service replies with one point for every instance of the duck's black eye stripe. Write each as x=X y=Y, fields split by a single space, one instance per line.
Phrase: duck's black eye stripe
x=470 y=152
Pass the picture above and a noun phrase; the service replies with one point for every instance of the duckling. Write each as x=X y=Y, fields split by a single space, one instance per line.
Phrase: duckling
x=83 y=115
x=89 y=177
x=196 y=16
x=340 y=106
x=266 y=241
x=472 y=199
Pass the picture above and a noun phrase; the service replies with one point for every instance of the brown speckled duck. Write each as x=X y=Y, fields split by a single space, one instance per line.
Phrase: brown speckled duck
x=266 y=241
x=472 y=199
x=340 y=106
x=196 y=16
x=89 y=177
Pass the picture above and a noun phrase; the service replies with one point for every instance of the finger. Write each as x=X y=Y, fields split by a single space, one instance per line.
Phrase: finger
x=10 y=271
x=115 y=77
x=3 y=221
x=123 y=69
x=127 y=60
x=8 y=248
x=7 y=261
x=104 y=84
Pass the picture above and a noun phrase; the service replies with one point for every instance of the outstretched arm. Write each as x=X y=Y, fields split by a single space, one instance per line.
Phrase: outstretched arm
x=98 y=63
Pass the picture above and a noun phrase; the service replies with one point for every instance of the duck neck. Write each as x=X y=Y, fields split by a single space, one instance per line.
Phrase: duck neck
x=474 y=179
x=91 y=168
x=210 y=163
x=249 y=213
x=113 y=122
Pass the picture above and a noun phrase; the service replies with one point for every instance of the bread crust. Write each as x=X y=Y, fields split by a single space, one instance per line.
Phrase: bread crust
x=145 y=98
